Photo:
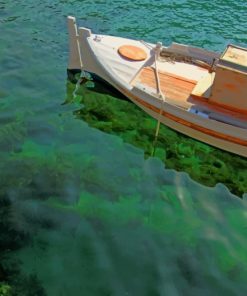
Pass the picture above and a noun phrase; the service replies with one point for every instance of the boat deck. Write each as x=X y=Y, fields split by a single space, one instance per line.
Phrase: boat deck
x=176 y=89
x=177 y=86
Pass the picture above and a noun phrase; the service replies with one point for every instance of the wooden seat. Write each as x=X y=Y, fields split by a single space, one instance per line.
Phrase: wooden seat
x=204 y=86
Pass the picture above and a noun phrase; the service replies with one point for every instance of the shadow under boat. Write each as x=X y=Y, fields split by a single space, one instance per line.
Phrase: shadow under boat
x=105 y=108
x=100 y=85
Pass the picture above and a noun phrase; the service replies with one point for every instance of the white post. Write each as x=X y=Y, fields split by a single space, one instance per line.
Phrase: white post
x=75 y=62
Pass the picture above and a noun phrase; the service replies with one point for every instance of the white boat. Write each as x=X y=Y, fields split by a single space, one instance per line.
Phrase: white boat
x=197 y=92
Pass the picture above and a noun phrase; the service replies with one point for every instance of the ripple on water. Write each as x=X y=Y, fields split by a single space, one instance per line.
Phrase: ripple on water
x=85 y=208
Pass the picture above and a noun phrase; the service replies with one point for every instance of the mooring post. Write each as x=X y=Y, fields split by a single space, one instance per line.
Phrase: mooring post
x=74 y=62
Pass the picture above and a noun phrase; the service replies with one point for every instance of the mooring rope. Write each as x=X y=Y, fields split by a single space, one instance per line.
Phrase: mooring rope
x=160 y=93
x=81 y=80
x=74 y=94
x=149 y=46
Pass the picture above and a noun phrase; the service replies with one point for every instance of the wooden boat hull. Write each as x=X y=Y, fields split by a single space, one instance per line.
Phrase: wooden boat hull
x=88 y=52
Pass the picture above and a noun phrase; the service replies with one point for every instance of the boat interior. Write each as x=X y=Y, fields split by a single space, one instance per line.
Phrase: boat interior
x=204 y=84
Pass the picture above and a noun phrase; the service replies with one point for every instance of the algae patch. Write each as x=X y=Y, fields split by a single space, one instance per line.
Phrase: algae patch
x=105 y=109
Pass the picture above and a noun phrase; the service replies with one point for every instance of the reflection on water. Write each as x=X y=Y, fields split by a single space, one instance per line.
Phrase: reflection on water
x=84 y=209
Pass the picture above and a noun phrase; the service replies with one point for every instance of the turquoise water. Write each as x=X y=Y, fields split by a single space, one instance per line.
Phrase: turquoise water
x=84 y=209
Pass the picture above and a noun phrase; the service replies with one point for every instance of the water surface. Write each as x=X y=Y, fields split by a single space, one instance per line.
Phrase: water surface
x=84 y=208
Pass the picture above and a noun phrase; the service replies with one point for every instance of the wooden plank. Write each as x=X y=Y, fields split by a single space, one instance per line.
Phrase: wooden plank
x=175 y=88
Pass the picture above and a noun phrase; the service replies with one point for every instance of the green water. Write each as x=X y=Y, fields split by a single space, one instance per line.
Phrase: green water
x=84 y=208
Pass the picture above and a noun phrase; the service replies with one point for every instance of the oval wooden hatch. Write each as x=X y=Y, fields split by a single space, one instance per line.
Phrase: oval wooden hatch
x=133 y=53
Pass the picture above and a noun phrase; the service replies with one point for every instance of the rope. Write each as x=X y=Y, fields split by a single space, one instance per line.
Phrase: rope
x=160 y=93
x=82 y=79
x=78 y=83
x=147 y=44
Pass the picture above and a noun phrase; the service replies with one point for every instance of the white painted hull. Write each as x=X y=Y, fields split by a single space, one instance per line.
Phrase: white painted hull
x=224 y=145
x=97 y=54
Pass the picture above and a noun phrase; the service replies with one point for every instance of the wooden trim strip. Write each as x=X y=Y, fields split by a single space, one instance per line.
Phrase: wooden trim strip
x=188 y=123
x=218 y=105
x=211 y=103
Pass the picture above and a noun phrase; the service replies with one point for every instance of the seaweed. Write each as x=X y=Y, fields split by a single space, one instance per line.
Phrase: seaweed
x=73 y=206
x=12 y=281
x=110 y=113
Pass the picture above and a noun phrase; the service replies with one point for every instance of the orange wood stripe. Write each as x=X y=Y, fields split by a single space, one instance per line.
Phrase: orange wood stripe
x=187 y=123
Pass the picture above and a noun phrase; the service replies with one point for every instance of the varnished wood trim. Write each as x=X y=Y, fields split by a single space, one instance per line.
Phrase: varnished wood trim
x=212 y=104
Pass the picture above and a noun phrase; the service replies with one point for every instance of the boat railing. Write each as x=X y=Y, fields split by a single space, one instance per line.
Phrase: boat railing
x=193 y=52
